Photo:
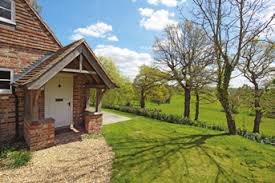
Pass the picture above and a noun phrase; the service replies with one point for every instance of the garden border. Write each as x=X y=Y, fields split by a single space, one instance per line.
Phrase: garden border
x=170 y=118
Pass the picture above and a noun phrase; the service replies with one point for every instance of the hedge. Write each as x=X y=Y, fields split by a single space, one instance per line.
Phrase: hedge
x=170 y=118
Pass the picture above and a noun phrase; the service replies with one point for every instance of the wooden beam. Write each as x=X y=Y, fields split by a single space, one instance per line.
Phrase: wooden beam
x=53 y=71
x=96 y=66
x=32 y=107
x=81 y=62
x=99 y=96
x=79 y=71
x=89 y=67
x=97 y=86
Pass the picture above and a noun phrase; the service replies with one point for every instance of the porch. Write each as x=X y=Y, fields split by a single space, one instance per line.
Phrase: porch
x=57 y=94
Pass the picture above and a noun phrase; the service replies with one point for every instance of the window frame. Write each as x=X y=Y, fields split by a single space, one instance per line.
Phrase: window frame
x=7 y=91
x=12 y=20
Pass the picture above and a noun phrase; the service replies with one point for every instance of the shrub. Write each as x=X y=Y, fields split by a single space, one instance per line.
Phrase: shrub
x=156 y=114
x=13 y=158
x=18 y=158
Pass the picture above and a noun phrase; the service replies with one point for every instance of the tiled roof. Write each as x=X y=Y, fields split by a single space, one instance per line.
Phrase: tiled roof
x=41 y=66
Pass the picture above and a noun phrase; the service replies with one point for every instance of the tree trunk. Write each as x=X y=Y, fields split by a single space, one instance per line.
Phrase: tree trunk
x=258 y=111
x=223 y=85
x=142 y=100
x=257 y=121
x=197 y=106
x=187 y=99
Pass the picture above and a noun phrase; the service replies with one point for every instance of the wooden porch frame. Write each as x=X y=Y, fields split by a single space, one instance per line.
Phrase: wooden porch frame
x=32 y=105
x=82 y=51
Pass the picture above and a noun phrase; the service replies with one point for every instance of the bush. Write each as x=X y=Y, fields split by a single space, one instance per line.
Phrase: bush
x=156 y=114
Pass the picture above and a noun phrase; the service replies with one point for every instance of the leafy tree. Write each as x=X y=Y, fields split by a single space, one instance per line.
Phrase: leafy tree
x=230 y=26
x=160 y=94
x=147 y=80
x=36 y=6
x=181 y=52
x=122 y=95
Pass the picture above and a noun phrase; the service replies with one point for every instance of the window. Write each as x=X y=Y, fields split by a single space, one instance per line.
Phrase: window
x=6 y=78
x=7 y=11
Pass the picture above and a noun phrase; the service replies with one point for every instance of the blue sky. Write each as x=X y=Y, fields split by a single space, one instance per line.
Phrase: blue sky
x=121 y=29
x=65 y=16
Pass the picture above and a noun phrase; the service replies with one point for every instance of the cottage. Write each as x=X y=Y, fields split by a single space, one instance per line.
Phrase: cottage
x=44 y=85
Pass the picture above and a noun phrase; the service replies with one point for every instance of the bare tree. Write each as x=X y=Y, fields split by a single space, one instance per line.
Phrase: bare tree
x=230 y=25
x=181 y=53
x=201 y=80
x=255 y=65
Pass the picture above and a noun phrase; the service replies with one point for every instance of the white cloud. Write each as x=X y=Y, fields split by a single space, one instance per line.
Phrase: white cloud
x=127 y=60
x=113 y=38
x=146 y=12
x=98 y=30
x=156 y=20
x=239 y=81
x=169 y=3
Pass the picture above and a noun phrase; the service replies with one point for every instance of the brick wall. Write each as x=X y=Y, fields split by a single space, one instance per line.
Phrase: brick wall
x=39 y=135
x=29 y=31
x=7 y=115
x=15 y=58
x=18 y=58
x=80 y=98
x=93 y=122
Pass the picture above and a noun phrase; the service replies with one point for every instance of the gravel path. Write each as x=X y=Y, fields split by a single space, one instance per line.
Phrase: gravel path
x=110 y=118
x=87 y=161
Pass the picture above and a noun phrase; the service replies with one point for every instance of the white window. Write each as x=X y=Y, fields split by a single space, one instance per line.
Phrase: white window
x=7 y=11
x=6 y=78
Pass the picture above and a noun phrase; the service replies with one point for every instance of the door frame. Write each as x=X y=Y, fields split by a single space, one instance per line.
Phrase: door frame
x=70 y=117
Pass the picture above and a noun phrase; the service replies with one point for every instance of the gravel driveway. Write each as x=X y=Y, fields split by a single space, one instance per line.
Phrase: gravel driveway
x=87 y=161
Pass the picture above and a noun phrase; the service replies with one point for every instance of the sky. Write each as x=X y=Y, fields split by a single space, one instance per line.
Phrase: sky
x=124 y=30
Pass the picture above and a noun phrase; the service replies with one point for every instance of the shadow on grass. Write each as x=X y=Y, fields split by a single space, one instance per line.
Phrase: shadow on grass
x=169 y=157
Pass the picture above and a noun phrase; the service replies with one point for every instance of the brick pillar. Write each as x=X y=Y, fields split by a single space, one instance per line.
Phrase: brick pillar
x=93 y=122
x=39 y=135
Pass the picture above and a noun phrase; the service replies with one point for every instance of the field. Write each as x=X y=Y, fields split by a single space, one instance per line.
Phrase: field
x=212 y=114
x=147 y=150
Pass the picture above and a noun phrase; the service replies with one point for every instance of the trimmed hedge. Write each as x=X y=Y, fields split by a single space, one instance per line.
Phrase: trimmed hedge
x=156 y=114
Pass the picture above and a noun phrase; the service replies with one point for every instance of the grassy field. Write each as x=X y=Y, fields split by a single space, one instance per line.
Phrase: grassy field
x=211 y=113
x=148 y=151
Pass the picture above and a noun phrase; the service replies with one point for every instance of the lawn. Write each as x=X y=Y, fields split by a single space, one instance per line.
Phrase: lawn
x=148 y=151
x=211 y=113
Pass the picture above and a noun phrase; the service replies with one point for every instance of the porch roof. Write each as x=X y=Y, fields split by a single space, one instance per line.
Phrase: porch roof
x=36 y=75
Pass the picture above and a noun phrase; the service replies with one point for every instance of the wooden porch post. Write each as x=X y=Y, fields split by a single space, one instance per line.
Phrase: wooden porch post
x=99 y=96
x=88 y=95
x=32 y=105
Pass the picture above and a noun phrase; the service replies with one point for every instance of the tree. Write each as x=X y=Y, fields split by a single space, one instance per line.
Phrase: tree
x=147 y=79
x=255 y=65
x=230 y=25
x=181 y=52
x=160 y=94
x=115 y=96
x=36 y=6
x=202 y=78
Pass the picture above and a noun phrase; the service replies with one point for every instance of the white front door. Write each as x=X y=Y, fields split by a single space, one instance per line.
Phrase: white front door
x=59 y=99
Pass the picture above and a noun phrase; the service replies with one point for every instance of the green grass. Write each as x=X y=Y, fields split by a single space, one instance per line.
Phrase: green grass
x=211 y=113
x=11 y=158
x=148 y=151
